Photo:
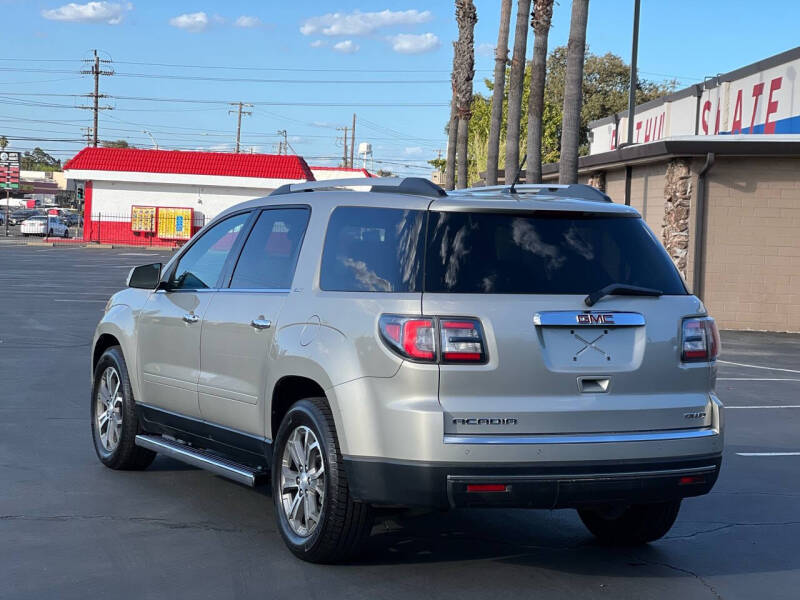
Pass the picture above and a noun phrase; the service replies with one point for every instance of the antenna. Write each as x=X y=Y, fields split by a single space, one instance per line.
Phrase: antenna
x=511 y=190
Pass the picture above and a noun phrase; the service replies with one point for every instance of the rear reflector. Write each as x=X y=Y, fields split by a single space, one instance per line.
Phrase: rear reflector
x=486 y=487
x=691 y=479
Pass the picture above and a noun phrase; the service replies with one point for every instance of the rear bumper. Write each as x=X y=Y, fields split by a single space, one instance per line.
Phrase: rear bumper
x=539 y=485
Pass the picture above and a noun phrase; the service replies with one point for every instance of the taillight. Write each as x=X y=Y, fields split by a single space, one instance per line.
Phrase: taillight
x=700 y=339
x=460 y=339
x=413 y=337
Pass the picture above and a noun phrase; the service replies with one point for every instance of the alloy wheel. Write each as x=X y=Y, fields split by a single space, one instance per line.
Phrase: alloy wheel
x=108 y=409
x=302 y=481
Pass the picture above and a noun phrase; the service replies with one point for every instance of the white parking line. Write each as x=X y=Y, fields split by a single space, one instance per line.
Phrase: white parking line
x=757 y=379
x=766 y=406
x=727 y=362
x=768 y=453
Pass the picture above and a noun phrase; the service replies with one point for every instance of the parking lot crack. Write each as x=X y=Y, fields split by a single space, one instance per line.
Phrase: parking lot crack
x=699 y=578
x=725 y=526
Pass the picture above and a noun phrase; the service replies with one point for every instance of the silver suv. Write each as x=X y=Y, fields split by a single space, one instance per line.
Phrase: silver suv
x=386 y=343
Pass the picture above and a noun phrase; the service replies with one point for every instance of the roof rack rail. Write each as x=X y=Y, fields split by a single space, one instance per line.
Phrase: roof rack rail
x=417 y=186
x=572 y=190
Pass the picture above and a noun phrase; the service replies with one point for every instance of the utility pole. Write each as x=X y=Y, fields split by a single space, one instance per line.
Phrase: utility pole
x=96 y=71
x=87 y=132
x=283 y=147
x=353 y=141
x=240 y=112
x=344 y=153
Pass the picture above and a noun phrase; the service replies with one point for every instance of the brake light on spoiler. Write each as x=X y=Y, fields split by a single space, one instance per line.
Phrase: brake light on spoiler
x=700 y=340
x=460 y=340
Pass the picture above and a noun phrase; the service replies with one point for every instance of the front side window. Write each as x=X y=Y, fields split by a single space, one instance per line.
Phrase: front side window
x=270 y=253
x=373 y=250
x=202 y=264
x=543 y=253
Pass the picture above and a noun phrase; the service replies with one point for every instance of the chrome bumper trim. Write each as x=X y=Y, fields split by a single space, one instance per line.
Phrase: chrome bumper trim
x=583 y=476
x=582 y=438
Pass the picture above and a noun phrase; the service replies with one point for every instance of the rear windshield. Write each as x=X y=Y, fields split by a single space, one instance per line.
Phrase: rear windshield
x=543 y=253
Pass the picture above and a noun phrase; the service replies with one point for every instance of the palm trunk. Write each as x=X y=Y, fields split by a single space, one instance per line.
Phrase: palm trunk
x=496 y=123
x=463 y=73
x=515 y=81
x=571 y=124
x=452 y=135
x=542 y=15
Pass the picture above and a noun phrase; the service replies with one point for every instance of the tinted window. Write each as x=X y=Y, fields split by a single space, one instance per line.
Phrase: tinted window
x=270 y=254
x=545 y=253
x=373 y=250
x=202 y=264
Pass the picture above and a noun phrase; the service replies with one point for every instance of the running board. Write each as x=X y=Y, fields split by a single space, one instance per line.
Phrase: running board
x=199 y=458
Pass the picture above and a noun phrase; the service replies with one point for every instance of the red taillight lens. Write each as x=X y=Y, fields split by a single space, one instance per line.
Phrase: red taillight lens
x=461 y=340
x=411 y=337
x=481 y=488
x=700 y=340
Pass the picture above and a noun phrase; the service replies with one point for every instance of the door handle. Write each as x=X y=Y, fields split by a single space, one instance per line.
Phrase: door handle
x=191 y=318
x=261 y=323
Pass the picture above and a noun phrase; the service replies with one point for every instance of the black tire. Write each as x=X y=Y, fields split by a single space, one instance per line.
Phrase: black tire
x=635 y=525
x=66 y=233
x=126 y=455
x=344 y=524
x=50 y=233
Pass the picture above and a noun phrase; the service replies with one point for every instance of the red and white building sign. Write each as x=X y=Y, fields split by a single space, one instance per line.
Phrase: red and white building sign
x=760 y=98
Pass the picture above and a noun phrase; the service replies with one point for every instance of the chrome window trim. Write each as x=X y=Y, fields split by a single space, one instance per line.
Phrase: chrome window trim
x=569 y=318
x=582 y=438
x=256 y=290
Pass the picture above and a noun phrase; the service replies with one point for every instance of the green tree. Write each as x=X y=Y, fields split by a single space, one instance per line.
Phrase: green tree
x=3 y=142
x=39 y=160
x=115 y=144
x=605 y=91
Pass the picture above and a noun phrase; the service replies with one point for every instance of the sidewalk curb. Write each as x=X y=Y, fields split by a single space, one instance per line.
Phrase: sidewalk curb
x=47 y=244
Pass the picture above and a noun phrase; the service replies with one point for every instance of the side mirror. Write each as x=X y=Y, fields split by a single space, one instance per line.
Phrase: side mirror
x=145 y=277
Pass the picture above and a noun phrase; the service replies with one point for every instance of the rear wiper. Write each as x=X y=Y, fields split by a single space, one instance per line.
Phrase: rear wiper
x=620 y=289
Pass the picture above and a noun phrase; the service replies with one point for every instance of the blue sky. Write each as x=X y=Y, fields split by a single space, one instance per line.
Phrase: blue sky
x=353 y=46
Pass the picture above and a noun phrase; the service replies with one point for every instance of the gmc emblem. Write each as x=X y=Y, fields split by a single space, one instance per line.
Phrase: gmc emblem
x=595 y=319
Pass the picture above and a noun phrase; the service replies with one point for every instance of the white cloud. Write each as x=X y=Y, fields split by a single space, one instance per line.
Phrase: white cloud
x=346 y=47
x=318 y=43
x=410 y=43
x=194 y=22
x=91 y=12
x=248 y=22
x=484 y=49
x=412 y=150
x=362 y=23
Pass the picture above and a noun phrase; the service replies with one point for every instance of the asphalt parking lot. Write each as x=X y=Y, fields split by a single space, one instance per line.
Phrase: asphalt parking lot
x=70 y=528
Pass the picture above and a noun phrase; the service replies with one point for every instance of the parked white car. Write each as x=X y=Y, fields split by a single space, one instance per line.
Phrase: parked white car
x=47 y=225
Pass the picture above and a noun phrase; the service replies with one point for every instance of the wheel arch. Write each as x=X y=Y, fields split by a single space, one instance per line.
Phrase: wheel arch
x=287 y=391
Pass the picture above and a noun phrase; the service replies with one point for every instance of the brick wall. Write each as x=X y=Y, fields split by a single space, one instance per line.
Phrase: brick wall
x=752 y=277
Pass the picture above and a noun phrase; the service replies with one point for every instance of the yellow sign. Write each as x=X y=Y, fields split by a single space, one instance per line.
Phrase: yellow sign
x=143 y=218
x=175 y=223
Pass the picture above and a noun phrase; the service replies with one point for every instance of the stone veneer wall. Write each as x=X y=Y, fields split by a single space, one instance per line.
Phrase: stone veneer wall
x=677 y=201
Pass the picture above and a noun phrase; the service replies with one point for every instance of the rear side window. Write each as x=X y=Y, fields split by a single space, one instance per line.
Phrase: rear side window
x=270 y=254
x=373 y=250
x=543 y=253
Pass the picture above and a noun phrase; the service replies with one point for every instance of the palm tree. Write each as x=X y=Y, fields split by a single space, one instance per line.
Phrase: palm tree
x=500 y=62
x=515 y=81
x=452 y=133
x=463 y=73
x=540 y=22
x=571 y=123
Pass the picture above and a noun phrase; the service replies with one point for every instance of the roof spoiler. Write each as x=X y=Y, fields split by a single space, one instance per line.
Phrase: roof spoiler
x=573 y=190
x=418 y=186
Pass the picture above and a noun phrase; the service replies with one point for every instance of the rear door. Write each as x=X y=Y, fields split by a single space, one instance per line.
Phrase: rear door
x=241 y=320
x=555 y=365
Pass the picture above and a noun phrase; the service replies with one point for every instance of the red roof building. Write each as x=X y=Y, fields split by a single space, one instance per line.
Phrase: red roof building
x=160 y=196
